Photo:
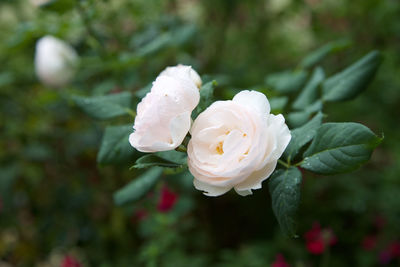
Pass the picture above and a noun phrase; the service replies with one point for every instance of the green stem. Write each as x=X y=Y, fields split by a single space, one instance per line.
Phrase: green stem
x=181 y=148
x=298 y=163
x=130 y=112
x=284 y=163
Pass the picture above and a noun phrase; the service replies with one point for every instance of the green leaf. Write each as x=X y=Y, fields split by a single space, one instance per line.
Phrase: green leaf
x=104 y=87
x=59 y=6
x=301 y=136
x=278 y=103
x=8 y=177
x=157 y=44
x=143 y=91
x=284 y=188
x=115 y=147
x=183 y=34
x=172 y=38
x=287 y=81
x=318 y=55
x=310 y=92
x=138 y=187
x=105 y=107
x=151 y=160
x=299 y=118
x=350 y=82
x=169 y=159
x=173 y=156
x=206 y=97
x=339 y=148
x=6 y=78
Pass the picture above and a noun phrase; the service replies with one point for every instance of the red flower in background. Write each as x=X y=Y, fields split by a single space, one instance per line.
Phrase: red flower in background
x=318 y=239
x=280 y=261
x=167 y=200
x=70 y=261
x=392 y=251
x=369 y=242
x=140 y=215
x=395 y=249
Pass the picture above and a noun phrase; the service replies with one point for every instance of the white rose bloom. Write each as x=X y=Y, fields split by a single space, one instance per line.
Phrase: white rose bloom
x=183 y=72
x=163 y=116
x=236 y=144
x=55 y=61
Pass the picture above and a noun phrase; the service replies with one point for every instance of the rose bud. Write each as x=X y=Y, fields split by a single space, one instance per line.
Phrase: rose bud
x=236 y=144
x=55 y=61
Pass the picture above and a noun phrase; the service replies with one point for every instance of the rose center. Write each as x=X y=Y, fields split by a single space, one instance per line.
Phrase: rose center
x=219 y=148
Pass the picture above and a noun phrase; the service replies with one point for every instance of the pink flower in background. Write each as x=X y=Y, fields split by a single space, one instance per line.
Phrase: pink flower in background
x=167 y=200
x=316 y=246
x=280 y=261
x=318 y=239
x=70 y=261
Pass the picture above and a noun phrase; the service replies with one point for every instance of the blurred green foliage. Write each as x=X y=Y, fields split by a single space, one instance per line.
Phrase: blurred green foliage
x=56 y=200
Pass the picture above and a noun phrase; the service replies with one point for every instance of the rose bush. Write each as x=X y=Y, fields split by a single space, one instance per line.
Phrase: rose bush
x=163 y=116
x=236 y=144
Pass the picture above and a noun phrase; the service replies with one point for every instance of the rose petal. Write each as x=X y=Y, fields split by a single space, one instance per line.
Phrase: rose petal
x=255 y=180
x=244 y=193
x=179 y=127
x=282 y=134
x=210 y=190
x=253 y=100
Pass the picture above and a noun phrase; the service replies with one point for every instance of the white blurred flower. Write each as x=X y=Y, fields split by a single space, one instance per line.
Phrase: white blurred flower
x=39 y=2
x=55 y=61
x=236 y=144
x=276 y=6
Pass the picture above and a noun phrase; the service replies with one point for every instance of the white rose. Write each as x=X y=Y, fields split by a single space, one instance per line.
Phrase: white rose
x=163 y=116
x=183 y=72
x=236 y=144
x=55 y=61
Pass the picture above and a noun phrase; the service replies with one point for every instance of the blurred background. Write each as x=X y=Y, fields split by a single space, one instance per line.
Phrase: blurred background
x=56 y=201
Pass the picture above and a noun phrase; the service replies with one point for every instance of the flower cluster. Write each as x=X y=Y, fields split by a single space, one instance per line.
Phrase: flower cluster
x=234 y=144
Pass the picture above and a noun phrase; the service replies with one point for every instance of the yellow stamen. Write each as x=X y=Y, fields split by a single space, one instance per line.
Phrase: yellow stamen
x=219 y=148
